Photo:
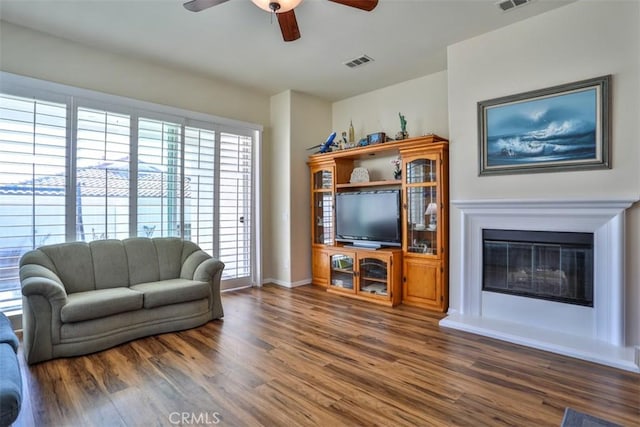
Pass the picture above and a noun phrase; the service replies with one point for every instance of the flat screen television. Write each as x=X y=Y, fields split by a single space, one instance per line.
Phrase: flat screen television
x=369 y=218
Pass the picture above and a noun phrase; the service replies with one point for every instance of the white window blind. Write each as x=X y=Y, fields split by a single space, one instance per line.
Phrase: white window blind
x=199 y=187
x=102 y=175
x=159 y=178
x=235 y=204
x=33 y=140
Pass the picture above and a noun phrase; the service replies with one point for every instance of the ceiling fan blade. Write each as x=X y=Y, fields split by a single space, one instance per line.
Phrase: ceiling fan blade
x=367 y=5
x=289 y=26
x=198 y=5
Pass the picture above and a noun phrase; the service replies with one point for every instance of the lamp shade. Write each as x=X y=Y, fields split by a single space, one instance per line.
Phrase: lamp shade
x=432 y=208
x=285 y=5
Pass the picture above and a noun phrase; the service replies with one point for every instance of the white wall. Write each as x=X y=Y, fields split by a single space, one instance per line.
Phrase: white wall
x=34 y=54
x=298 y=121
x=279 y=178
x=579 y=41
x=310 y=125
x=423 y=102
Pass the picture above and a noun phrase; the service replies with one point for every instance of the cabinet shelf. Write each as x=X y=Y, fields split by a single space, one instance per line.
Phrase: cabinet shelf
x=342 y=285
x=374 y=293
x=374 y=279
x=422 y=184
x=388 y=147
x=369 y=184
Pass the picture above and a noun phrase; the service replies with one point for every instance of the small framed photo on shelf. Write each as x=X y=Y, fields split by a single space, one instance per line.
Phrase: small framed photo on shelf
x=376 y=138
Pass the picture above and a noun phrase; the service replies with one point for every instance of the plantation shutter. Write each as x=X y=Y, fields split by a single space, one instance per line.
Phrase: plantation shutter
x=199 y=188
x=102 y=175
x=33 y=144
x=236 y=164
x=159 y=178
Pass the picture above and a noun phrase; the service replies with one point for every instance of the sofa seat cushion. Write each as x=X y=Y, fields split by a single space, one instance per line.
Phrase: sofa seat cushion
x=172 y=291
x=100 y=303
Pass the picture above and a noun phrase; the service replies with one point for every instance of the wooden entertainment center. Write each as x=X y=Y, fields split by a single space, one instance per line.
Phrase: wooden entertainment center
x=415 y=274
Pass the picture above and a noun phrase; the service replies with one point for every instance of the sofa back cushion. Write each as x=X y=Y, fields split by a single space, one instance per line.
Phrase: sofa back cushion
x=142 y=260
x=105 y=264
x=110 y=265
x=73 y=264
x=169 y=250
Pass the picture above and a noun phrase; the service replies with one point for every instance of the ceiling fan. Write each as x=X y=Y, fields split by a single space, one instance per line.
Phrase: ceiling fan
x=283 y=10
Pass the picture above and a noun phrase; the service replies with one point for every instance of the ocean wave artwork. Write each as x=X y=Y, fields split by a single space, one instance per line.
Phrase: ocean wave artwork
x=557 y=128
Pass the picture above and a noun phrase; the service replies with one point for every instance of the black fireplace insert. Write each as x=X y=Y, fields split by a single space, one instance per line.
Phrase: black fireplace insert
x=549 y=265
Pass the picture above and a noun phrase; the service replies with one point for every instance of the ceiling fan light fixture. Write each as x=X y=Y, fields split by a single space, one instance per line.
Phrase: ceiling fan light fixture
x=277 y=6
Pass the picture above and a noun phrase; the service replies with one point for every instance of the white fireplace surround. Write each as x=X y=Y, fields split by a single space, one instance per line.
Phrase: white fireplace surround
x=592 y=333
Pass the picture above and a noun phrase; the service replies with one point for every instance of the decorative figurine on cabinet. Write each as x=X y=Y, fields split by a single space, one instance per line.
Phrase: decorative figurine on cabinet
x=328 y=144
x=403 y=134
x=397 y=170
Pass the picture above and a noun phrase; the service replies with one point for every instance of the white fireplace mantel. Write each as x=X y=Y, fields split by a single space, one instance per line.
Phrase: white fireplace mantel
x=593 y=333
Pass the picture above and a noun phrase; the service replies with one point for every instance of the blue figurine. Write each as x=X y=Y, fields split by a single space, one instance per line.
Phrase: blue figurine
x=326 y=147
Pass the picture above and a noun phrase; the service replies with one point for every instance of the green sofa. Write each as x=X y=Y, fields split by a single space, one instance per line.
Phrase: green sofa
x=79 y=298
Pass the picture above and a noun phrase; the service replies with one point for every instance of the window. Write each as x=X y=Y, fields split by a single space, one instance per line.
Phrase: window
x=159 y=178
x=76 y=170
x=199 y=188
x=102 y=175
x=33 y=144
x=235 y=204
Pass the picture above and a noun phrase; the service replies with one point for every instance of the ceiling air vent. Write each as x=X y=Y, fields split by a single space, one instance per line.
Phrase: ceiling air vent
x=358 y=62
x=511 y=4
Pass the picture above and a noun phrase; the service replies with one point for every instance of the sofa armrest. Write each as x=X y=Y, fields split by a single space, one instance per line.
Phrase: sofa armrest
x=44 y=295
x=202 y=267
x=209 y=270
x=39 y=280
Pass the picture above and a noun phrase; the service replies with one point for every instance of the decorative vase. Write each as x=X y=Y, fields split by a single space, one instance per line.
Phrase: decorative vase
x=397 y=174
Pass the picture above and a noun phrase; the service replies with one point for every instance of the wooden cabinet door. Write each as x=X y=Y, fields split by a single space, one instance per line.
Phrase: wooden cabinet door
x=375 y=275
x=422 y=283
x=320 y=267
x=342 y=270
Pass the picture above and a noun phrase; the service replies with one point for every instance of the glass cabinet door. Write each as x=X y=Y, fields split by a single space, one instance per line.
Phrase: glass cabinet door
x=421 y=171
x=422 y=207
x=342 y=273
x=322 y=180
x=323 y=214
x=373 y=276
x=323 y=207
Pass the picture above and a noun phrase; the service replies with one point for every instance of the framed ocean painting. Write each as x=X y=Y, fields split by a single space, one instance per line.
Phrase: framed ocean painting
x=560 y=128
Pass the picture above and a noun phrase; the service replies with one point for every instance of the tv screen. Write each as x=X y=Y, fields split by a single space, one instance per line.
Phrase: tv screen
x=369 y=218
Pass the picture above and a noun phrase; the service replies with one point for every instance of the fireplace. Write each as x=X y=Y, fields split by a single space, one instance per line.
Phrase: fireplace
x=551 y=265
x=592 y=326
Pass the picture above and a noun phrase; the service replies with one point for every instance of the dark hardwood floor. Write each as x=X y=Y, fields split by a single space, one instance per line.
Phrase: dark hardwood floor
x=303 y=357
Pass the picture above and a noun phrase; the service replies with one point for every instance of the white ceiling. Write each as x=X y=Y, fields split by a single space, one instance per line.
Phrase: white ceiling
x=236 y=41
